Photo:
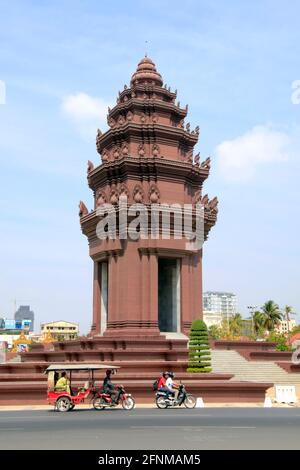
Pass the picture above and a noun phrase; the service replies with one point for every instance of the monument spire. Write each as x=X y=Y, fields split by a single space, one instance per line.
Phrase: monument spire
x=148 y=156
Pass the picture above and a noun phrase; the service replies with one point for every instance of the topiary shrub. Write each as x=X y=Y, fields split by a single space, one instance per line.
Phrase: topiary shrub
x=199 y=350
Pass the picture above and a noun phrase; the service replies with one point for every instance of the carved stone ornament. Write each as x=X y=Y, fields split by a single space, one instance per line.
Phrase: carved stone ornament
x=141 y=150
x=143 y=118
x=114 y=195
x=90 y=166
x=197 y=197
x=116 y=153
x=213 y=204
x=189 y=156
x=105 y=156
x=205 y=200
x=154 y=194
x=155 y=150
x=98 y=137
x=111 y=122
x=82 y=209
x=121 y=120
x=124 y=191
x=125 y=150
x=138 y=194
x=101 y=198
x=205 y=164
x=129 y=116
x=197 y=159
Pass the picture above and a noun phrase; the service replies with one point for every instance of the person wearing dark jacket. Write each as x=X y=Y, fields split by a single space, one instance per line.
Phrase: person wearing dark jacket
x=108 y=386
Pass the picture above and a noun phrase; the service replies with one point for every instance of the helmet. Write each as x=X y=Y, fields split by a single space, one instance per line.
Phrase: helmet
x=170 y=374
x=164 y=374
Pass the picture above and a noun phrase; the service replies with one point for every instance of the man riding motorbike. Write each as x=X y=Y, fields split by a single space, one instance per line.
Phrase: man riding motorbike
x=172 y=386
x=108 y=386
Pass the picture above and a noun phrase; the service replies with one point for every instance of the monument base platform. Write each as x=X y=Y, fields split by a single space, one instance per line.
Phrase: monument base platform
x=141 y=361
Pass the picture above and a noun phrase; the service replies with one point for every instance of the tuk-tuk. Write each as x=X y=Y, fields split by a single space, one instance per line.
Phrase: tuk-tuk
x=66 y=397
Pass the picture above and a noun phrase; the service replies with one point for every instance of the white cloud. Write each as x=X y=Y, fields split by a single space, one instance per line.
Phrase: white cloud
x=239 y=158
x=86 y=112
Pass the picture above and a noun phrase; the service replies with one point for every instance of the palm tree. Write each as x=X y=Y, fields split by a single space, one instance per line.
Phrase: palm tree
x=272 y=315
x=288 y=311
x=258 y=321
x=235 y=324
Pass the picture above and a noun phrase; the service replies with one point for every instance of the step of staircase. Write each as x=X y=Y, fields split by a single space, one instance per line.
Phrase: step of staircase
x=230 y=361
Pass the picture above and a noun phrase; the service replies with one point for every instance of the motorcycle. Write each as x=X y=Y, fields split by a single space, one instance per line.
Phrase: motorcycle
x=104 y=400
x=166 y=400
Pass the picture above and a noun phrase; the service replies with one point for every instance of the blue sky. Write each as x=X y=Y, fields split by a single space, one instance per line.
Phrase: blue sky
x=63 y=63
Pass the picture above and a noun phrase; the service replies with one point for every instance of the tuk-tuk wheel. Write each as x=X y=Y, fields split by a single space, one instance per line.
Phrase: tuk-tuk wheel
x=63 y=404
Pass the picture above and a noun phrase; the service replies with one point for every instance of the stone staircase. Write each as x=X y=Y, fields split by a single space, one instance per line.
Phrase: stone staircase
x=230 y=361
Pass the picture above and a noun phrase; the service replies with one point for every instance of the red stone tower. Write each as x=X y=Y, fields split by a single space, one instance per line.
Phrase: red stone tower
x=150 y=285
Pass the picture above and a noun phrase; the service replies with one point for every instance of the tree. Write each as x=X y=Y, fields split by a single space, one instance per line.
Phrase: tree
x=214 y=332
x=258 y=321
x=272 y=315
x=288 y=311
x=235 y=324
x=199 y=349
x=225 y=331
x=296 y=329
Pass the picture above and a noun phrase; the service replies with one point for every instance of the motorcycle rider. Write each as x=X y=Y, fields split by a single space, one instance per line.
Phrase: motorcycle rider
x=172 y=386
x=161 y=386
x=108 y=386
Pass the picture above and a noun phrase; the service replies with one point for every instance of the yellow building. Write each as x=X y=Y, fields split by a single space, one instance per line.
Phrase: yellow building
x=60 y=330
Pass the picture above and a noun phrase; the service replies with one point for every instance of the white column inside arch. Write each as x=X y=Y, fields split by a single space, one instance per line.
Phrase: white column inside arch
x=104 y=295
x=169 y=301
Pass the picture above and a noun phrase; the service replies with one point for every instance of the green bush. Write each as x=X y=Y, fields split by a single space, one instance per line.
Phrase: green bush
x=199 y=358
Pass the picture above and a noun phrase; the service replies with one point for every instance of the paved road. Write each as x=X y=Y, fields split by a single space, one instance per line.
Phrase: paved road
x=210 y=428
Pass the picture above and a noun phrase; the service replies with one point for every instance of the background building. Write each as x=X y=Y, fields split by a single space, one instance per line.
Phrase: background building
x=24 y=313
x=212 y=318
x=286 y=326
x=60 y=330
x=7 y=324
x=222 y=303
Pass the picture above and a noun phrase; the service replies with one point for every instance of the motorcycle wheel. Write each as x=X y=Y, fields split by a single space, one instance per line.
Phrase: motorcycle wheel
x=161 y=403
x=63 y=404
x=190 y=401
x=99 y=403
x=128 y=404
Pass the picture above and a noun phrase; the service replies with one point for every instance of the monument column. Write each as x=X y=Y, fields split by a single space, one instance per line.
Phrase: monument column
x=96 y=326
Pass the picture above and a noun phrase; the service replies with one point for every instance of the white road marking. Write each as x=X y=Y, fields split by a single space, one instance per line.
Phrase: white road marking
x=12 y=429
x=193 y=427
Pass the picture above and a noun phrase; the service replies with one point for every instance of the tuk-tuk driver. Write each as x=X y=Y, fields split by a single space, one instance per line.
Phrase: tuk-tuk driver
x=63 y=383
